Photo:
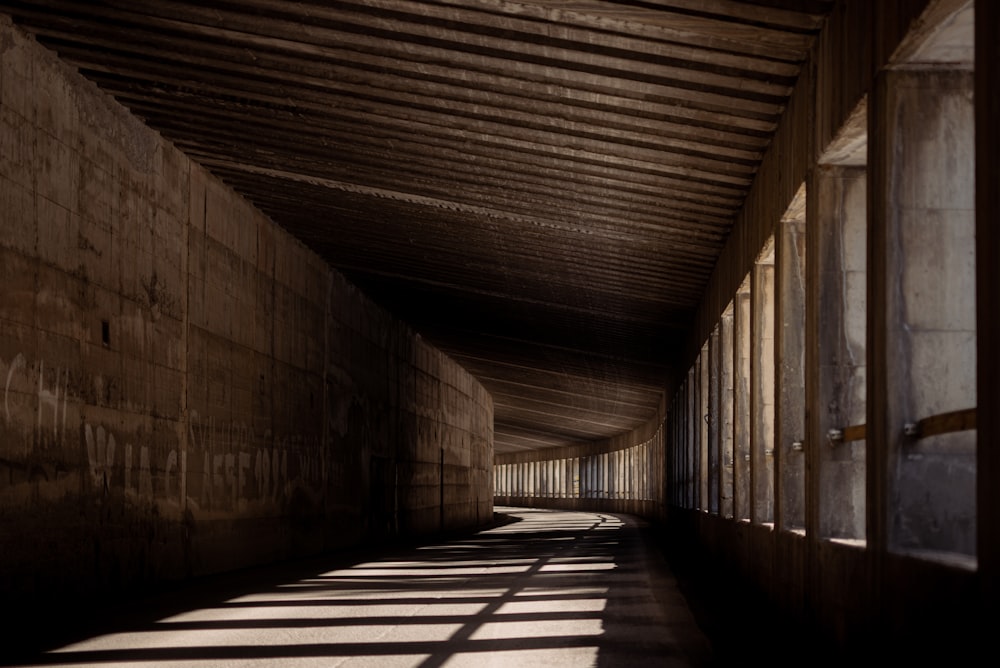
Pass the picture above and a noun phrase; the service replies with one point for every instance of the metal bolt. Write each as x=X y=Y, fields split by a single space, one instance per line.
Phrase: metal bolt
x=911 y=429
x=798 y=446
x=835 y=436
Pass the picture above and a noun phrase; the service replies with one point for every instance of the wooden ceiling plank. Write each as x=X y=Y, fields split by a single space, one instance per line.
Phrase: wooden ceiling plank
x=648 y=23
x=400 y=24
x=586 y=37
x=545 y=145
x=489 y=188
x=442 y=45
x=588 y=159
x=638 y=246
x=669 y=196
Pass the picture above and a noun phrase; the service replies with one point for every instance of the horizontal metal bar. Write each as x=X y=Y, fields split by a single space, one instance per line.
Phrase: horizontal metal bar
x=943 y=423
x=855 y=432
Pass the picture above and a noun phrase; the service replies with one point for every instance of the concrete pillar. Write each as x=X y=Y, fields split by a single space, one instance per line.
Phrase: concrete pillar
x=762 y=388
x=676 y=424
x=714 y=353
x=790 y=270
x=921 y=306
x=703 y=417
x=837 y=271
x=741 y=414
x=726 y=413
x=691 y=437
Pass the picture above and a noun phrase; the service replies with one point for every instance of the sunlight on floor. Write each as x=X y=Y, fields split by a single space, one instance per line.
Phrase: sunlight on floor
x=552 y=589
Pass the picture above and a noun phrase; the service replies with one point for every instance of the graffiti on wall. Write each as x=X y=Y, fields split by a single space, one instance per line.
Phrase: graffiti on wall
x=49 y=390
x=223 y=465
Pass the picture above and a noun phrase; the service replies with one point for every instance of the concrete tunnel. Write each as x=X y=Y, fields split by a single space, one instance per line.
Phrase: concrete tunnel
x=291 y=279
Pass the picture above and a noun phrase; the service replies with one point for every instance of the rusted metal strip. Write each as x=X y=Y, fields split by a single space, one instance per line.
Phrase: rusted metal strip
x=947 y=423
x=855 y=432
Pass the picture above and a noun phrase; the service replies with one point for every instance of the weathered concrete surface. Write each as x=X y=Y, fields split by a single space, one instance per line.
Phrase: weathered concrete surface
x=922 y=248
x=548 y=589
x=185 y=388
x=837 y=332
x=790 y=285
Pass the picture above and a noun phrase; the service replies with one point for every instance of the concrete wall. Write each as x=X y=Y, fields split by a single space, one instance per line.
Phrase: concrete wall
x=185 y=388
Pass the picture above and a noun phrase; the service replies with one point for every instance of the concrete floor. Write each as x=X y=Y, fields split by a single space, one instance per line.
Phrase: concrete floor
x=549 y=588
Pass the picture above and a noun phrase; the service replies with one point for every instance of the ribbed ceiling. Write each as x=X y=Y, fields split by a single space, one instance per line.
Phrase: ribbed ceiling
x=540 y=187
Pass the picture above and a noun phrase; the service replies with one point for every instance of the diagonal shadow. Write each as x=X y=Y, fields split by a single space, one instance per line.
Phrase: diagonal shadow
x=541 y=588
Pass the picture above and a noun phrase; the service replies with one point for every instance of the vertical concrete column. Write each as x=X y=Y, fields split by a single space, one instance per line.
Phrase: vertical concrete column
x=602 y=475
x=619 y=457
x=741 y=402
x=685 y=443
x=625 y=473
x=591 y=477
x=573 y=478
x=836 y=340
x=564 y=477
x=676 y=449
x=789 y=459
x=634 y=477
x=762 y=388
x=593 y=480
x=578 y=472
x=628 y=472
x=987 y=54
x=714 y=354
x=613 y=473
x=675 y=423
x=726 y=413
x=638 y=477
x=567 y=476
x=639 y=473
x=691 y=437
x=557 y=478
x=576 y=478
x=703 y=473
x=922 y=307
